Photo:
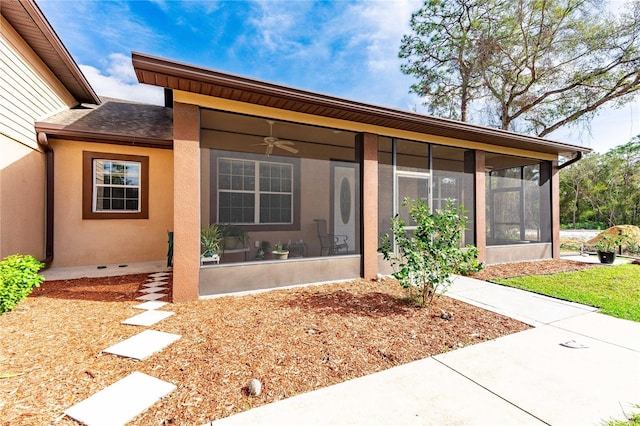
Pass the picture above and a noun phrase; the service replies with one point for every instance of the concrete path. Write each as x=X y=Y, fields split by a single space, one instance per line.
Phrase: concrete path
x=527 y=378
x=104 y=270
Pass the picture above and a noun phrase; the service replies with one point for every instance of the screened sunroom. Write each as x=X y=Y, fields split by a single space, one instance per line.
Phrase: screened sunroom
x=285 y=198
x=319 y=177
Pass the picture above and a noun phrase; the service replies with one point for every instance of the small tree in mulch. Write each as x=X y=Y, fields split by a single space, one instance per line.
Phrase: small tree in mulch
x=428 y=255
x=18 y=277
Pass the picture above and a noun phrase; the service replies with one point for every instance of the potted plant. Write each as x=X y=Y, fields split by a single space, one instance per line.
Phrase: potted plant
x=233 y=236
x=606 y=247
x=210 y=239
x=263 y=250
x=280 y=252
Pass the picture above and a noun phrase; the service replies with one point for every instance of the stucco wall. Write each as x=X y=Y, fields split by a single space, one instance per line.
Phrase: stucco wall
x=518 y=253
x=21 y=199
x=106 y=241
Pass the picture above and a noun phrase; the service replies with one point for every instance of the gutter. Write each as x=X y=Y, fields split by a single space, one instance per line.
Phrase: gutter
x=575 y=159
x=43 y=142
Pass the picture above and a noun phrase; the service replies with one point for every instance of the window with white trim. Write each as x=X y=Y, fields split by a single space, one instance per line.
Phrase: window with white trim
x=117 y=186
x=254 y=192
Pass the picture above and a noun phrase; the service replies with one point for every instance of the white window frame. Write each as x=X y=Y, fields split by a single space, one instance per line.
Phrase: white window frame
x=256 y=191
x=125 y=186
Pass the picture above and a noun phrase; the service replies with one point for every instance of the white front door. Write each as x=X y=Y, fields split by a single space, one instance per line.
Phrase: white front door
x=344 y=204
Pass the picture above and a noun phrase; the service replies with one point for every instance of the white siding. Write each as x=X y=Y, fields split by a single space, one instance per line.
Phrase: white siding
x=25 y=97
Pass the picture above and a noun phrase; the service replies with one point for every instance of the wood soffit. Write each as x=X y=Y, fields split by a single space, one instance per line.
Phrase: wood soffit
x=28 y=20
x=180 y=76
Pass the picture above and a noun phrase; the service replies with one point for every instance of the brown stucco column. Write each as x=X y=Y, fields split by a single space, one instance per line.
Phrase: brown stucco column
x=186 y=202
x=555 y=210
x=480 y=207
x=370 y=205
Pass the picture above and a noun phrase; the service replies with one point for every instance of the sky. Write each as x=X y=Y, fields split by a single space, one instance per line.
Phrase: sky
x=345 y=48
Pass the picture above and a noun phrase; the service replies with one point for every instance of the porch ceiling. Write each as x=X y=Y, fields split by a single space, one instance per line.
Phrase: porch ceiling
x=180 y=76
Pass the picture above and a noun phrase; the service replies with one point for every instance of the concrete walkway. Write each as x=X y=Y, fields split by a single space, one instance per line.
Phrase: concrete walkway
x=104 y=270
x=527 y=378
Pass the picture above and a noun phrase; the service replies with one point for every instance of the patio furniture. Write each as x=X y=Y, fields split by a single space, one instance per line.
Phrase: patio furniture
x=210 y=259
x=332 y=243
x=296 y=248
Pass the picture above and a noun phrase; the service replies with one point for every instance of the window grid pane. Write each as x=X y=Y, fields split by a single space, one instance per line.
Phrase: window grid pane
x=247 y=187
x=116 y=186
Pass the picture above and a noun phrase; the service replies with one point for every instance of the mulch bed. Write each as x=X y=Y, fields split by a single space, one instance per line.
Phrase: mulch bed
x=293 y=340
x=538 y=267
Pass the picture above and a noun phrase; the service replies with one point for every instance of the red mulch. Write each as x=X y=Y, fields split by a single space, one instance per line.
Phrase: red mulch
x=538 y=267
x=293 y=340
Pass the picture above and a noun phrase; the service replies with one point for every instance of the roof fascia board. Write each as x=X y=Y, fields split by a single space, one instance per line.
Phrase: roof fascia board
x=227 y=105
x=157 y=65
x=62 y=132
x=49 y=33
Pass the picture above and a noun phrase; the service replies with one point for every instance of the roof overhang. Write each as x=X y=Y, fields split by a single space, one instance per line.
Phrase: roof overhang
x=180 y=76
x=28 y=20
x=114 y=121
x=59 y=131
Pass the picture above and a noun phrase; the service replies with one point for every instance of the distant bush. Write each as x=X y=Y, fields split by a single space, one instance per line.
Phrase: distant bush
x=571 y=245
x=584 y=225
x=18 y=277
x=633 y=247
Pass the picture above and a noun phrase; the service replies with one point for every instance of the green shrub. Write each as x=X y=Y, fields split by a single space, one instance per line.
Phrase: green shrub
x=633 y=247
x=571 y=245
x=18 y=277
x=428 y=255
x=584 y=225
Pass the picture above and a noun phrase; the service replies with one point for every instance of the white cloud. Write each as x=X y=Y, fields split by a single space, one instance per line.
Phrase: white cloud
x=610 y=128
x=377 y=28
x=119 y=81
x=383 y=24
x=119 y=67
x=285 y=30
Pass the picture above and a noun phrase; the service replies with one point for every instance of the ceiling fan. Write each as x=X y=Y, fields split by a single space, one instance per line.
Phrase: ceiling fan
x=271 y=141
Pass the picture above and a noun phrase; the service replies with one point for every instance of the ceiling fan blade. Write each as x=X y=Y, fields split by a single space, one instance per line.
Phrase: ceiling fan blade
x=285 y=142
x=287 y=148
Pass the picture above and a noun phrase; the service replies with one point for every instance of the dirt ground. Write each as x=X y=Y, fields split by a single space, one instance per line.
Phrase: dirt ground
x=293 y=341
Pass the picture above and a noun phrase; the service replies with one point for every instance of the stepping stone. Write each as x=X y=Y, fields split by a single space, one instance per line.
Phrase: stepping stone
x=152 y=290
x=143 y=345
x=150 y=305
x=154 y=284
x=151 y=296
x=119 y=403
x=159 y=274
x=157 y=278
x=148 y=318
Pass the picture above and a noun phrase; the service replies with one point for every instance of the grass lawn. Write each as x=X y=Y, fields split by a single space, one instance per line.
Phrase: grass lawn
x=613 y=289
